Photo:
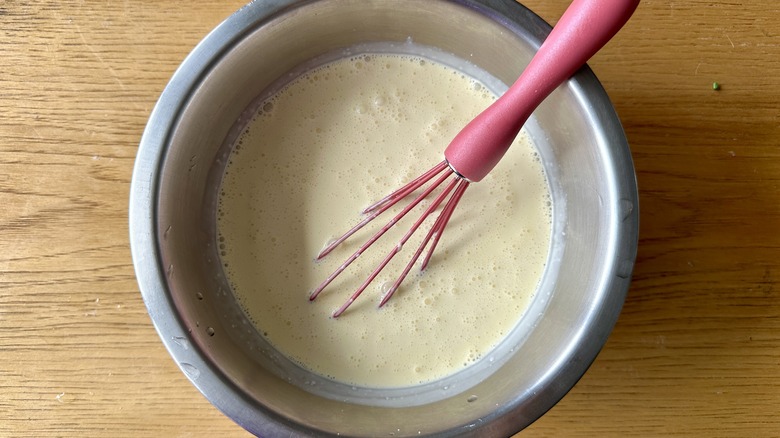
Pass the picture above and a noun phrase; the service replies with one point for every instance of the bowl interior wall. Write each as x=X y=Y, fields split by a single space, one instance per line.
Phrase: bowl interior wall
x=575 y=131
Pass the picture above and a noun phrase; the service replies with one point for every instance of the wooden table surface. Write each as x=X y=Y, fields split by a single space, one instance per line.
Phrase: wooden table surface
x=696 y=351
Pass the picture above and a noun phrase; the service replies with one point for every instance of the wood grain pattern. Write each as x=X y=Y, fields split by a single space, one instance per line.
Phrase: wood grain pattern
x=696 y=351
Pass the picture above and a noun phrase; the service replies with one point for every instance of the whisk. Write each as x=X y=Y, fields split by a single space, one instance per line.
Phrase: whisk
x=584 y=28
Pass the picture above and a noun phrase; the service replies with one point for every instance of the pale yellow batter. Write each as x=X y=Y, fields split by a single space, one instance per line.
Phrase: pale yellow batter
x=331 y=143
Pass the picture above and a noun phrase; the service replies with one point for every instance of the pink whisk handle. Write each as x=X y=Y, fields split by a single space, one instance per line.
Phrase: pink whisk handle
x=585 y=27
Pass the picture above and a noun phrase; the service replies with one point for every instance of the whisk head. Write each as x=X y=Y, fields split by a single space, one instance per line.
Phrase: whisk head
x=452 y=193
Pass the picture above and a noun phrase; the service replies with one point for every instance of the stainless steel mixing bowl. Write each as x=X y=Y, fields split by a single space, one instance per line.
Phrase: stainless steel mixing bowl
x=172 y=224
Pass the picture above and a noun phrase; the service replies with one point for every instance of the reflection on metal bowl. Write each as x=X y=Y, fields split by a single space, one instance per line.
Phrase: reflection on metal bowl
x=172 y=224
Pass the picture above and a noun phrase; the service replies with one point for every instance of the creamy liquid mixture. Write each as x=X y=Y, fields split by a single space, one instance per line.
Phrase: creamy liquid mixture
x=328 y=145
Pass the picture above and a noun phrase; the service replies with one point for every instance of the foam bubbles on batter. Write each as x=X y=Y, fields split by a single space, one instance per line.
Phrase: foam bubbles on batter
x=320 y=150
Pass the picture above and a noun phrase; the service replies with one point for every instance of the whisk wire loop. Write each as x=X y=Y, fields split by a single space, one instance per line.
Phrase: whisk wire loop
x=457 y=186
x=398 y=247
x=384 y=204
x=437 y=229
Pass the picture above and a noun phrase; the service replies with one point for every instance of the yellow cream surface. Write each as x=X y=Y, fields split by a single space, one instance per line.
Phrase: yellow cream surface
x=326 y=146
